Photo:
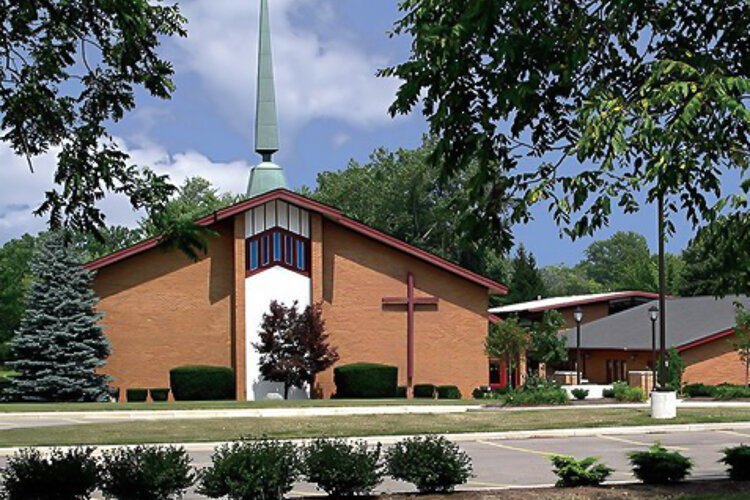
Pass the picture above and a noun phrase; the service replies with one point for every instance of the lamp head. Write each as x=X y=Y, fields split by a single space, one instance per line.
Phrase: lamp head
x=578 y=314
x=653 y=313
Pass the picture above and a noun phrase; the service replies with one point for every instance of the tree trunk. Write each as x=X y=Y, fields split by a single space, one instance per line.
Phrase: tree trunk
x=747 y=372
x=286 y=391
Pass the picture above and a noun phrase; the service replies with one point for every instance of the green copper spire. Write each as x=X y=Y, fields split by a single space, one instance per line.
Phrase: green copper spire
x=266 y=126
x=267 y=176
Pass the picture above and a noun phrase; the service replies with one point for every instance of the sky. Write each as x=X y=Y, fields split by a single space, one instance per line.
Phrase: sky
x=332 y=108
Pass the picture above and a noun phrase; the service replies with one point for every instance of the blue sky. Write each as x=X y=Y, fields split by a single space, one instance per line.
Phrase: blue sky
x=331 y=105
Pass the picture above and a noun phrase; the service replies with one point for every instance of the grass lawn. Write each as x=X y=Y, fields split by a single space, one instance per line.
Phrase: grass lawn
x=223 y=429
x=224 y=405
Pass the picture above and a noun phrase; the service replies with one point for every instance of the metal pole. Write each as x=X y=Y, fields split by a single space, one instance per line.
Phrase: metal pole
x=662 y=298
x=653 y=354
x=578 y=353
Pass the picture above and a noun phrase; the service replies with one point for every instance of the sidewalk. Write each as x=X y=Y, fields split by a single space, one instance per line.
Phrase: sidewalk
x=332 y=411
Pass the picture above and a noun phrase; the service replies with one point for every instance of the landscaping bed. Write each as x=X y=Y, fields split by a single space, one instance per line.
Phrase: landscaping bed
x=691 y=490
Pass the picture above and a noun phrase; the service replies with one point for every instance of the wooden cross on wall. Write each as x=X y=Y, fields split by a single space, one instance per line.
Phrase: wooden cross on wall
x=411 y=302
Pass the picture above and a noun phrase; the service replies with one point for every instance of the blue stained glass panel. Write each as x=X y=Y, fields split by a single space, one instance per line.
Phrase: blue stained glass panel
x=288 y=250
x=276 y=247
x=301 y=255
x=254 y=255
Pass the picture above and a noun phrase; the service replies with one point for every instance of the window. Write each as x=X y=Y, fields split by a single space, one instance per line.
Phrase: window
x=265 y=254
x=276 y=247
x=288 y=250
x=253 y=255
x=301 y=255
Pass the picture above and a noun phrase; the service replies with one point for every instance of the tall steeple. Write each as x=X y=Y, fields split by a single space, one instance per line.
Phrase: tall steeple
x=266 y=176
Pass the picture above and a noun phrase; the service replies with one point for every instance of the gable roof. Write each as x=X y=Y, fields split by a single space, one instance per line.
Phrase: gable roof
x=326 y=211
x=569 y=301
x=691 y=321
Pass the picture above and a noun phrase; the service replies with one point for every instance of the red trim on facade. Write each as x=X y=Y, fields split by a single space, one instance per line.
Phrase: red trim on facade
x=706 y=340
x=325 y=210
x=268 y=233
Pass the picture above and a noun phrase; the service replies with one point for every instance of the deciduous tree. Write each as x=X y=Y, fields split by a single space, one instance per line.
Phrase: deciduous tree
x=581 y=106
x=294 y=346
x=67 y=71
x=741 y=340
x=507 y=340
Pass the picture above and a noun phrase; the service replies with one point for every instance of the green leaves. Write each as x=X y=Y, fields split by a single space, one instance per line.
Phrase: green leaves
x=67 y=71
x=581 y=107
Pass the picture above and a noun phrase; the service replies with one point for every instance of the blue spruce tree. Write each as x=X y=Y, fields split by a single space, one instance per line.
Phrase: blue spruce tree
x=59 y=343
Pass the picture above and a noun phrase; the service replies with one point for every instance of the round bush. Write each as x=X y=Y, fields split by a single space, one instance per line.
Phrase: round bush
x=426 y=391
x=136 y=395
x=161 y=394
x=448 y=392
x=660 y=466
x=202 y=383
x=585 y=472
x=341 y=468
x=580 y=394
x=366 y=380
x=244 y=470
x=69 y=474
x=738 y=461
x=146 y=473
x=431 y=463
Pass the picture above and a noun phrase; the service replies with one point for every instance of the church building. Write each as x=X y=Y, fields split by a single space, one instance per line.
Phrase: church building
x=383 y=300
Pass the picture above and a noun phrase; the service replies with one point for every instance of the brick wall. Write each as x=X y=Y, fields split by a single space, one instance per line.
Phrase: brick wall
x=449 y=340
x=713 y=363
x=161 y=310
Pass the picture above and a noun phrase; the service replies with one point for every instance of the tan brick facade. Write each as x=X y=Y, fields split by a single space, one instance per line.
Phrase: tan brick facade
x=162 y=310
x=713 y=363
x=449 y=339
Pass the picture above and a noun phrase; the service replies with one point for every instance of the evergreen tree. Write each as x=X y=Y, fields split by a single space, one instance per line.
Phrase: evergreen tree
x=59 y=343
x=527 y=282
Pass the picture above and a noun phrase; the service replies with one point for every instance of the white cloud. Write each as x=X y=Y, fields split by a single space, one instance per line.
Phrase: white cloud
x=22 y=191
x=320 y=72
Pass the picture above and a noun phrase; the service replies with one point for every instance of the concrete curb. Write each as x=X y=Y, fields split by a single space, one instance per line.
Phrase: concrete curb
x=243 y=413
x=464 y=437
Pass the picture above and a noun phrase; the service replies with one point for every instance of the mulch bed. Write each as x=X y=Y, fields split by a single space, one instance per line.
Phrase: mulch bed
x=630 y=492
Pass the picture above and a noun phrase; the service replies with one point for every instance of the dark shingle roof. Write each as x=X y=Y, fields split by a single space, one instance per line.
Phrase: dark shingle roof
x=688 y=319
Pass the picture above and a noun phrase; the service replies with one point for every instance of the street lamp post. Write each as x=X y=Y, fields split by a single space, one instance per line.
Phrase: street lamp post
x=578 y=317
x=653 y=313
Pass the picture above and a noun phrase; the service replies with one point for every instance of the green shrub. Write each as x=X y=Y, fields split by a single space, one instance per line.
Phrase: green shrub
x=659 y=466
x=202 y=383
x=63 y=475
x=699 y=390
x=480 y=392
x=146 y=473
x=159 y=394
x=448 y=392
x=341 y=468
x=586 y=472
x=623 y=392
x=249 y=470
x=136 y=395
x=726 y=391
x=608 y=393
x=431 y=463
x=426 y=391
x=365 y=380
x=536 y=391
x=401 y=392
x=738 y=461
x=579 y=394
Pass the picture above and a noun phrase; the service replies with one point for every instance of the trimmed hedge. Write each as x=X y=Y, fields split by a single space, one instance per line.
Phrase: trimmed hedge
x=159 y=395
x=202 y=383
x=699 y=390
x=136 y=395
x=366 y=380
x=448 y=392
x=424 y=391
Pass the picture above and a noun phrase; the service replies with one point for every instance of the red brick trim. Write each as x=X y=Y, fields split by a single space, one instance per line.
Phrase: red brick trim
x=325 y=210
